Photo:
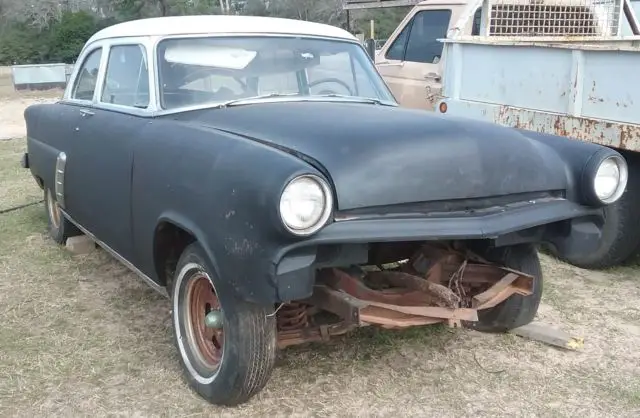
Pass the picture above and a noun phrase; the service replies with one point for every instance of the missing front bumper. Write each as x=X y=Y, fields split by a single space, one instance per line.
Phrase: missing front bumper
x=438 y=284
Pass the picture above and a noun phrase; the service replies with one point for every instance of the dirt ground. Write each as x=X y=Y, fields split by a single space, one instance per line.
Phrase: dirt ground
x=12 y=105
x=82 y=336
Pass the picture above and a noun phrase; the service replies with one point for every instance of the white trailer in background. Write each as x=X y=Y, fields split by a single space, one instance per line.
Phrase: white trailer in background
x=561 y=67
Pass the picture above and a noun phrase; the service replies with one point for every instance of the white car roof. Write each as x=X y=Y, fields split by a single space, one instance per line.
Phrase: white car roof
x=218 y=24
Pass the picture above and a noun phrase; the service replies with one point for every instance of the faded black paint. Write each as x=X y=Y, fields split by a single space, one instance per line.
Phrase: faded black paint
x=218 y=174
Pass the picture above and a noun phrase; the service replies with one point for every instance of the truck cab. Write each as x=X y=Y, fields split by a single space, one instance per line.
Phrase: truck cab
x=410 y=60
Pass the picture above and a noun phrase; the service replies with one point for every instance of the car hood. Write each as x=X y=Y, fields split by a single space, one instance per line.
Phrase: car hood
x=381 y=155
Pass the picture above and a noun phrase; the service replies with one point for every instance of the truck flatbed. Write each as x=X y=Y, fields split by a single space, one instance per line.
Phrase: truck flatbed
x=565 y=88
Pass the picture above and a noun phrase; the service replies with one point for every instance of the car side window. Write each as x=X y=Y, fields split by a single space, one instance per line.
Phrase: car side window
x=126 y=81
x=87 y=78
x=396 y=50
x=428 y=26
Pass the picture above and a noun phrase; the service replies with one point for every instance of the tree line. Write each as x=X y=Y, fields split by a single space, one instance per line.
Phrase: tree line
x=53 y=31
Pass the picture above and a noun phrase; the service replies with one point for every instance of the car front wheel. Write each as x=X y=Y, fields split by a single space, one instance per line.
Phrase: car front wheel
x=517 y=310
x=227 y=346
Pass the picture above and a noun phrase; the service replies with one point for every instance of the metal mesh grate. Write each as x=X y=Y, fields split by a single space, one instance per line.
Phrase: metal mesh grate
x=553 y=17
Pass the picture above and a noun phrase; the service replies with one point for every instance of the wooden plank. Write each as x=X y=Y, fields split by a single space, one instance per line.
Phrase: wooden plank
x=546 y=334
x=80 y=244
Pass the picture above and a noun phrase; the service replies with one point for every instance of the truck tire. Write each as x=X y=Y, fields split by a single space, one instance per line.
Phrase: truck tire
x=59 y=227
x=227 y=365
x=517 y=310
x=620 y=234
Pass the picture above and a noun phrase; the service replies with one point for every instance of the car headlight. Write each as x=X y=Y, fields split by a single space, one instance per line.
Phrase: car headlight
x=610 y=179
x=305 y=204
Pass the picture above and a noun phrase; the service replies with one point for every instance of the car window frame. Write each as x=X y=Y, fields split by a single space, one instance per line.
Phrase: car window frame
x=409 y=28
x=148 y=42
x=145 y=55
x=75 y=76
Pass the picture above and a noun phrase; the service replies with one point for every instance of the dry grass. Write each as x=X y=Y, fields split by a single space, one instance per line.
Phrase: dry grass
x=82 y=336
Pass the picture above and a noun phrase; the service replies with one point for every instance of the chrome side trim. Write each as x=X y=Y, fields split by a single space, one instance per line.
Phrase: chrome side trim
x=155 y=286
x=58 y=178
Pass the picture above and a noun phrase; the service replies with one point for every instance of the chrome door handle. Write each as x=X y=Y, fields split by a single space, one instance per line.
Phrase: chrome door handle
x=432 y=76
x=390 y=64
x=86 y=113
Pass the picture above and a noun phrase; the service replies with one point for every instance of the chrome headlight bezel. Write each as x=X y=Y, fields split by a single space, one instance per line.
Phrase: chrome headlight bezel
x=623 y=178
x=325 y=213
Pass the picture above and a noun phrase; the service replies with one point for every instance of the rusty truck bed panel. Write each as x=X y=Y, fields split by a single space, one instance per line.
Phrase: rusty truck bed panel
x=603 y=132
x=589 y=92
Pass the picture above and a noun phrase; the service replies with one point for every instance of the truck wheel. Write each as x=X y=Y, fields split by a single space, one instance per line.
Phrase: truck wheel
x=620 y=235
x=60 y=228
x=229 y=360
x=517 y=310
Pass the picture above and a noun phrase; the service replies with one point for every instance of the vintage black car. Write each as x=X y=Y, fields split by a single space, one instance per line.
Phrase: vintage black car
x=259 y=172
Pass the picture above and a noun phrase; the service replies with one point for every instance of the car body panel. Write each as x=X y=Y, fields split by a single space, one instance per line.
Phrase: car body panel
x=203 y=189
x=392 y=155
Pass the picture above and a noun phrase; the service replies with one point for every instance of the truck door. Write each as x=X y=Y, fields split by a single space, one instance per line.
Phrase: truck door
x=410 y=64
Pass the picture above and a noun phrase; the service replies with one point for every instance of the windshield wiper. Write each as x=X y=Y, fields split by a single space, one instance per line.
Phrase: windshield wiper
x=371 y=100
x=312 y=97
x=252 y=98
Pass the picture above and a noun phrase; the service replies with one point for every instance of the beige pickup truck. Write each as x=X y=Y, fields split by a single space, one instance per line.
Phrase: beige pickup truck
x=410 y=61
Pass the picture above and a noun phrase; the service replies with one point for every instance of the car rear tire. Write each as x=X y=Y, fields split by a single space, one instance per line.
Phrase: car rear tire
x=620 y=237
x=517 y=310
x=227 y=366
x=59 y=227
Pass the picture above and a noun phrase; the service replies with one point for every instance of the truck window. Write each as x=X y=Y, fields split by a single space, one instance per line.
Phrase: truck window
x=418 y=41
x=475 y=29
x=396 y=50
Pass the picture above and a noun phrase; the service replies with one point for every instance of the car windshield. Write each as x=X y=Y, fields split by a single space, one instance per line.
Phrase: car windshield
x=216 y=70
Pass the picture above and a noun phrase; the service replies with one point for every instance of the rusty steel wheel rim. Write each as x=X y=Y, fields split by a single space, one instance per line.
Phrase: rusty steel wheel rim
x=54 y=210
x=206 y=343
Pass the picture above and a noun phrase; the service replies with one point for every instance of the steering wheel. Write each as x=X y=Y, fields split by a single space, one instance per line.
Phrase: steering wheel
x=332 y=80
x=193 y=76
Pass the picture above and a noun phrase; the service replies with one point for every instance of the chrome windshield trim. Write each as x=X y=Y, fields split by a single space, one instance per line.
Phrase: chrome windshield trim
x=276 y=99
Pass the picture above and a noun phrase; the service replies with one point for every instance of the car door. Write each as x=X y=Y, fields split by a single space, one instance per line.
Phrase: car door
x=410 y=65
x=78 y=103
x=99 y=174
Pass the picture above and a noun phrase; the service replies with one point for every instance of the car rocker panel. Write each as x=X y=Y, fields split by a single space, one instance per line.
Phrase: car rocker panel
x=261 y=172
